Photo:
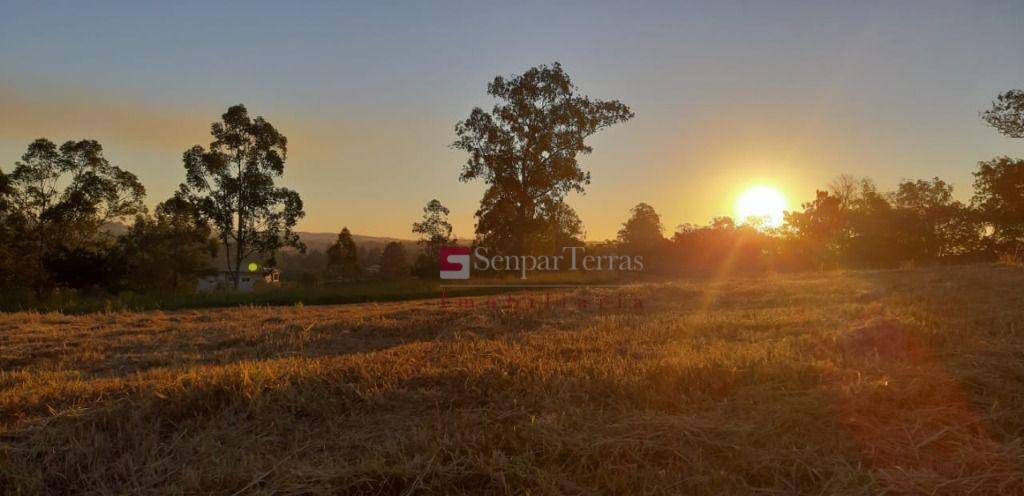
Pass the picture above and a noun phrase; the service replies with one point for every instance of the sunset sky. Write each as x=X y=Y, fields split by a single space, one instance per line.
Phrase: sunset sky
x=726 y=95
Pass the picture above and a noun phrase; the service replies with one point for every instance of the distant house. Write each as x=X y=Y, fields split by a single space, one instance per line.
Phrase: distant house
x=247 y=281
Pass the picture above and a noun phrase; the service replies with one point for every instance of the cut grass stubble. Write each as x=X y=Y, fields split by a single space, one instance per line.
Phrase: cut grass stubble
x=851 y=383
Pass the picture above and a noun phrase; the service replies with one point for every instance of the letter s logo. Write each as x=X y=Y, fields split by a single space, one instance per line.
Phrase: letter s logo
x=454 y=262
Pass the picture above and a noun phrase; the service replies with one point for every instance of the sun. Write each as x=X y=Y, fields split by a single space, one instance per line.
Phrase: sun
x=762 y=203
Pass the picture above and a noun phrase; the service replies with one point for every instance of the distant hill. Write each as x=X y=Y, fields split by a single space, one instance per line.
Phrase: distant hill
x=313 y=240
x=321 y=240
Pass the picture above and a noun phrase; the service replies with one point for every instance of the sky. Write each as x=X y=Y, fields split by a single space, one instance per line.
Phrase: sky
x=727 y=95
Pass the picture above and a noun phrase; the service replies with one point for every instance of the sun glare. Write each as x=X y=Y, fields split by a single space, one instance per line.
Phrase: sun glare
x=761 y=204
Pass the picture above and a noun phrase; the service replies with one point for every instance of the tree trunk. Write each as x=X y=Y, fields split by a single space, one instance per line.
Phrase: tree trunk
x=227 y=254
x=40 y=278
x=238 y=262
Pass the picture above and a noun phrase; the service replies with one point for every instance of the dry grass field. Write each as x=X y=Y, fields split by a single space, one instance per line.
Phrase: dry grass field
x=905 y=382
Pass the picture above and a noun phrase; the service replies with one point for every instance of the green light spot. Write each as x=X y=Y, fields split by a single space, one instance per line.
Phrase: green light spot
x=253 y=266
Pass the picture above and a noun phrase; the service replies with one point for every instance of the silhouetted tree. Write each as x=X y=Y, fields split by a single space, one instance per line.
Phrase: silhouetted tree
x=232 y=184
x=434 y=232
x=1007 y=114
x=393 y=264
x=343 y=256
x=999 y=198
x=563 y=227
x=15 y=246
x=964 y=238
x=642 y=235
x=369 y=255
x=526 y=151
x=819 y=233
x=931 y=219
x=61 y=197
x=845 y=188
x=857 y=226
x=875 y=233
x=169 y=250
x=307 y=269
x=99 y=266
x=643 y=228
x=719 y=248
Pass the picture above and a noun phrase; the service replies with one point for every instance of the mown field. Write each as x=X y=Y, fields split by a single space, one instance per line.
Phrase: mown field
x=905 y=382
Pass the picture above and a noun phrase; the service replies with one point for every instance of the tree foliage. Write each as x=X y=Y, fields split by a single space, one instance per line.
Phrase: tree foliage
x=60 y=198
x=232 y=185
x=434 y=231
x=562 y=227
x=169 y=250
x=1007 y=114
x=343 y=257
x=393 y=263
x=15 y=247
x=931 y=219
x=526 y=150
x=819 y=230
x=643 y=229
x=858 y=226
x=999 y=197
x=641 y=234
x=720 y=246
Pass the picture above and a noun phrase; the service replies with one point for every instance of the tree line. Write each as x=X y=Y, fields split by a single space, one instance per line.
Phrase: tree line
x=347 y=262
x=61 y=207
x=849 y=224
